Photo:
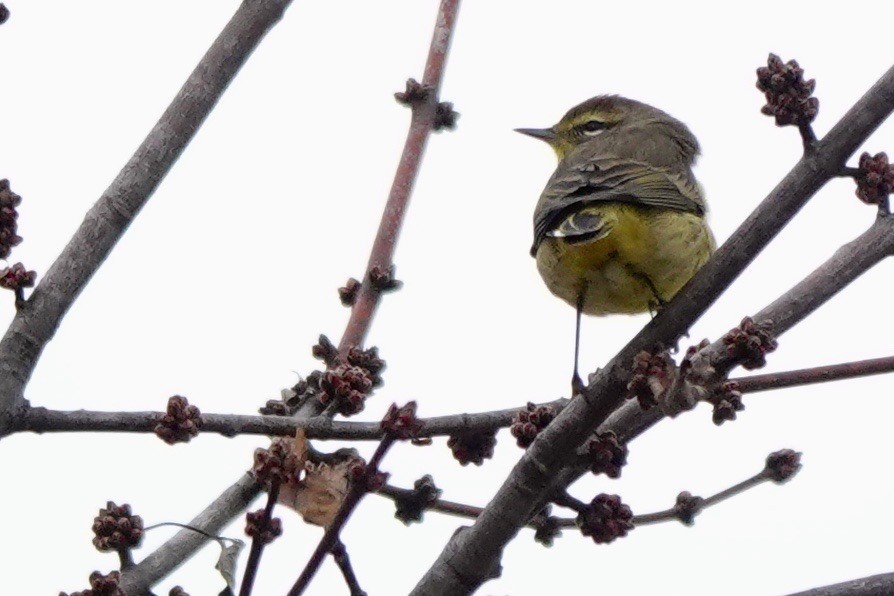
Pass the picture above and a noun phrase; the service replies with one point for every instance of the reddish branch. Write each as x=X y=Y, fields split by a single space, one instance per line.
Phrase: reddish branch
x=425 y=112
x=259 y=541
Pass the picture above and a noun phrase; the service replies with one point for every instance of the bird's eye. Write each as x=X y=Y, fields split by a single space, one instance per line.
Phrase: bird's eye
x=593 y=127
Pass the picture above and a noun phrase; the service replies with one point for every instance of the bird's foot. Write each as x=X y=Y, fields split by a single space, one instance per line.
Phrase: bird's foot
x=577 y=385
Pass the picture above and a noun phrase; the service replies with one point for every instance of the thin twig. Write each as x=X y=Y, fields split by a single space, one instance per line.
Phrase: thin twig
x=465 y=561
x=423 y=118
x=258 y=542
x=673 y=514
x=42 y=420
x=819 y=374
x=341 y=558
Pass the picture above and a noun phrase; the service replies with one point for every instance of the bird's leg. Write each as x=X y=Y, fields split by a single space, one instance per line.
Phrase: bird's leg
x=659 y=302
x=577 y=385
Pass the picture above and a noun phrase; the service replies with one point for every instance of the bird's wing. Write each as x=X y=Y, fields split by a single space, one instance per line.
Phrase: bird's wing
x=601 y=179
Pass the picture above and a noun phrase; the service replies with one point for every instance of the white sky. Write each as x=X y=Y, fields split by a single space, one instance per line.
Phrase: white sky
x=225 y=280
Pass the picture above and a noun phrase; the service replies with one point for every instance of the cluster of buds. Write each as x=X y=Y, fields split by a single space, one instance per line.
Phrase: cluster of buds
x=412 y=505
x=652 y=375
x=367 y=476
x=529 y=422
x=348 y=385
x=325 y=350
x=750 y=342
x=789 y=97
x=875 y=180
x=687 y=507
x=782 y=465
x=180 y=423
x=8 y=219
x=546 y=526
x=605 y=519
x=116 y=528
x=276 y=407
x=414 y=93
x=261 y=527
x=347 y=294
x=369 y=361
x=101 y=585
x=473 y=447
x=607 y=455
x=277 y=464
x=305 y=389
x=727 y=400
x=401 y=423
x=384 y=280
x=445 y=117
x=17 y=277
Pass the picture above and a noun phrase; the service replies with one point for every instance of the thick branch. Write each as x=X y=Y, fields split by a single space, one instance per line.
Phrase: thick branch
x=36 y=322
x=462 y=566
x=185 y=543
x=875 y=585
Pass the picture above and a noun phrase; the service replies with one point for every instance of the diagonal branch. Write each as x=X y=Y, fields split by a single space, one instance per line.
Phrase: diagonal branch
x=875 y=585
x=421 y=125
x=36 y=322
x=463 y=564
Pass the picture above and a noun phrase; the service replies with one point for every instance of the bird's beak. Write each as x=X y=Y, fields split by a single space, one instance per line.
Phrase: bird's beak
x=544 y=134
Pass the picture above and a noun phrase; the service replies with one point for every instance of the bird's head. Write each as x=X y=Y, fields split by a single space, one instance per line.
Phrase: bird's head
x=609 y=114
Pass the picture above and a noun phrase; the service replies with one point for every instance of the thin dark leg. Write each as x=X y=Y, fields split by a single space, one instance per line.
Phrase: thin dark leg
x=577 y=385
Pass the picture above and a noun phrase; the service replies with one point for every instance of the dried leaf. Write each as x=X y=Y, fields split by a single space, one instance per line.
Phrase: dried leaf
x=226 y=563
x=322 y=491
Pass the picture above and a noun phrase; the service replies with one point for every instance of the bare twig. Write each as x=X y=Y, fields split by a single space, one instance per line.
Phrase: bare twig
x=42 y=420
x=421 y=126
x=819 y=374
x=464 y=563
x=341 y=558
x=258 y=542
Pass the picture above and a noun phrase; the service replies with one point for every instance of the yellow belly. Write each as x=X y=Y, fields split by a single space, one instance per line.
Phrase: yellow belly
x=646 y=252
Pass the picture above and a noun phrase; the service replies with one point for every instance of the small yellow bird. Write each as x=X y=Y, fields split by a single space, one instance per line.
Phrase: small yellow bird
x=620 y=226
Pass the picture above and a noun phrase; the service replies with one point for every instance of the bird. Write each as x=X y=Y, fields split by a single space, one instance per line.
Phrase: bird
x=621 y=225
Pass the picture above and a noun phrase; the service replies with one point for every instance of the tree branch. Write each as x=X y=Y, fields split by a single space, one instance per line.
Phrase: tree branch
x=421 y=125
x=463 y=564
x=182 y=546
x=875 y=585
x=36 y=322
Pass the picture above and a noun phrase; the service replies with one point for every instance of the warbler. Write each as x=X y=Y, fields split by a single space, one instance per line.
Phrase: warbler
x=620 y=226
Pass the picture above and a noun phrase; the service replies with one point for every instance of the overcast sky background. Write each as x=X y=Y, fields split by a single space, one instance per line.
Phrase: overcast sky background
x=229 y=274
